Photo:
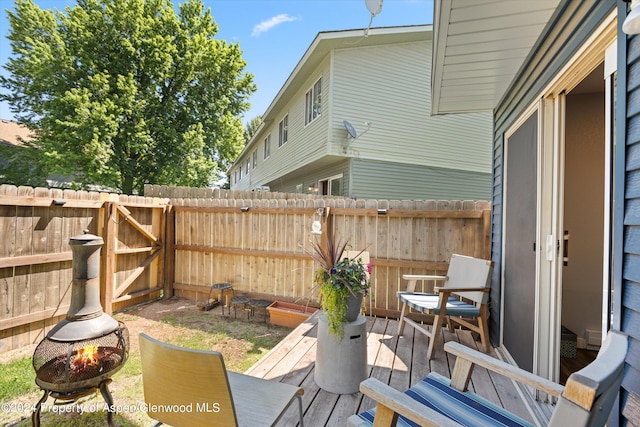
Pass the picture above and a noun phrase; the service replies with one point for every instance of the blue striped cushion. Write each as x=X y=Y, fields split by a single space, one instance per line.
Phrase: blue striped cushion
x=426 y=302
x=464 y=408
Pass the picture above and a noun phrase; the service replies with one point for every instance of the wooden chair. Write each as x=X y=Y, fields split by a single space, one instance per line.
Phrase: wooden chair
x=198 y=391
x=467 y=278
x=586 y=400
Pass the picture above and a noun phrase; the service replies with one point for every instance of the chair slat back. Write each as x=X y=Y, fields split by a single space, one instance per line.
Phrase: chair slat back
x=469 y=272
x=591 y=392
x=185 y=387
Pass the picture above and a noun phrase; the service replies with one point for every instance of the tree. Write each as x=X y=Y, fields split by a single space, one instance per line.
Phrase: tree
x=126 y=92
x=251 y=127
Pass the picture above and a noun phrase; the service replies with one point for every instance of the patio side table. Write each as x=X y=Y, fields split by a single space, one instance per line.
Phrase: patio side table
x=235 y=301
x=260 y=303
x=223 y=287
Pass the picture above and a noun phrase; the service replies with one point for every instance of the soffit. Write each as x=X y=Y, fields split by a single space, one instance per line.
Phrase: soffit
x=479 y=46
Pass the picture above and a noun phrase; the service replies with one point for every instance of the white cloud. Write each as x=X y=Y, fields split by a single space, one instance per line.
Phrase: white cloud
x=265 y=26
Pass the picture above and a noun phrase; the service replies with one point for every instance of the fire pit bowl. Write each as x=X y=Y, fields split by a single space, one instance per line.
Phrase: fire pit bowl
x=64 y=367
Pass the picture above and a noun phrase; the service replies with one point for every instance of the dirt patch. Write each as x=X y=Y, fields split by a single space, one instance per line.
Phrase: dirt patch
x=240 y=336
x=147 y=318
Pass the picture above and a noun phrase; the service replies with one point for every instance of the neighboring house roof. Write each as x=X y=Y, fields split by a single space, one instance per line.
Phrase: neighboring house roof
x=323 y=43
x=479 y=48
x=12 y=133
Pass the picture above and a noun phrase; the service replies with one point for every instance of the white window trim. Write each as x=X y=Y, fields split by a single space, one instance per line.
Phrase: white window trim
x=267 y=147
x=283 y=131
x=308 y=107
x=329 y=179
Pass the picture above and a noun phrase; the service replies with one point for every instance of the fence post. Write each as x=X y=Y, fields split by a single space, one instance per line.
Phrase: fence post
x=486 y=233
x=108 y=256
x=169 y=251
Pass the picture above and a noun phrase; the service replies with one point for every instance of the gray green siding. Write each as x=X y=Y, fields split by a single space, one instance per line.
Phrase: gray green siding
x=311 y=175
x=387 y=84
x=388 y=87
x=373 y=179
x=306 y=143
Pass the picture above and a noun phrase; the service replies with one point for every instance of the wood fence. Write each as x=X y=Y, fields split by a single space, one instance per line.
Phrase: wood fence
x=258 y=245
x=156 y=246
x=165 y=191
x=35 y=257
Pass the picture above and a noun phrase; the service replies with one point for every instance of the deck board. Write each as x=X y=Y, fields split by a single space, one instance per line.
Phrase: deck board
x=397 y=361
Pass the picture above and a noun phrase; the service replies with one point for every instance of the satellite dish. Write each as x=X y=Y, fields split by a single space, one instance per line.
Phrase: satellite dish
x=374 y=6
x=350 y=129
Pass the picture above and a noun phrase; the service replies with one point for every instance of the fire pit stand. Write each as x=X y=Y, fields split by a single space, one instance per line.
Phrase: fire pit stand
x=82 y=352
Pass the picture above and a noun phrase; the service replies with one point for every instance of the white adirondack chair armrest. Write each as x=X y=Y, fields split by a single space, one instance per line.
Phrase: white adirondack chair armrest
x=413 y=278
x=422 y=277
x=400 y=403
x=468 y=357
x=456 y=290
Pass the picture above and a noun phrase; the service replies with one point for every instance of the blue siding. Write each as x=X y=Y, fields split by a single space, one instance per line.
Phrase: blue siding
x=627 y=308
x=496 y=242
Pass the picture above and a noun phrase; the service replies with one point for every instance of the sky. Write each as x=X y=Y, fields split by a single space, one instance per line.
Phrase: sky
x=273 y=35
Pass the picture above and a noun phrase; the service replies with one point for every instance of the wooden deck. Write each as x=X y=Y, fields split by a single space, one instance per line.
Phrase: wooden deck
x=397 y=362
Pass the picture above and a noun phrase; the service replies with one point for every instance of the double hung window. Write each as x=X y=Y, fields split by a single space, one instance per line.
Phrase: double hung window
x=313 y=102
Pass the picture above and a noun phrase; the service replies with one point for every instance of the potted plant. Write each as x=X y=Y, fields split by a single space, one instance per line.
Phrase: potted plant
x=343 y=282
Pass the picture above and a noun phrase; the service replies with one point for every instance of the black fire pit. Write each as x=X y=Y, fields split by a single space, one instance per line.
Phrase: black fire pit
x=82 y=352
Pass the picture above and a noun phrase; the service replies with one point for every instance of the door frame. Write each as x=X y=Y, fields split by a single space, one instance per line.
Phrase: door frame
x=550 y=195
x=532 y=109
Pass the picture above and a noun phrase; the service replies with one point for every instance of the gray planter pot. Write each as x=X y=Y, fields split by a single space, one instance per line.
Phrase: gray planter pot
x=354 y=304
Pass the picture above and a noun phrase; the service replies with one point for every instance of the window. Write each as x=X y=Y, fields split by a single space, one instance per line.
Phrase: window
x=313 y=102
x=331 y=186
x=255 y=158
x=267 y=146
x=282 y=131
x=246 y=169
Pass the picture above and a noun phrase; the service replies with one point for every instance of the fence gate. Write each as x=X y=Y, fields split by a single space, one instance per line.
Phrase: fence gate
x=132 y=261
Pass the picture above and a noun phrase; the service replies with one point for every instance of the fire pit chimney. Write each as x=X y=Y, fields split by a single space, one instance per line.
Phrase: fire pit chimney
x=85 y=318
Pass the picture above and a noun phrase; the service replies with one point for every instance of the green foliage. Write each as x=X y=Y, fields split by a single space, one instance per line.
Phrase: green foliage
x=334 y=303
x=21 y=166
x=17 y=378
x=121 y=93
x=252 y=127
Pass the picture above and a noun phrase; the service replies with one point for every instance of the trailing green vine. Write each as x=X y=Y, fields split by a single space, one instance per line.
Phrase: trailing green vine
x=334 y=303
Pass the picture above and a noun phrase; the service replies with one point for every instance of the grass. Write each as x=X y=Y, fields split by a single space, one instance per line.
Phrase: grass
x=242 y=343
x=16 y=379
